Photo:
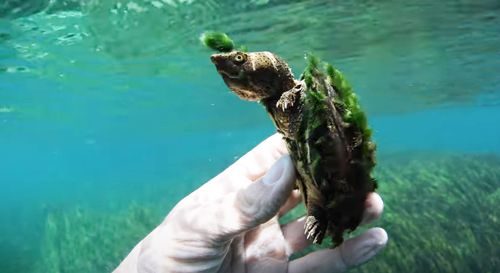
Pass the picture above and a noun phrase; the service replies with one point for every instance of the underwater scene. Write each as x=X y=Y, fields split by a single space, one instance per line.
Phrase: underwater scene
x=111 y=112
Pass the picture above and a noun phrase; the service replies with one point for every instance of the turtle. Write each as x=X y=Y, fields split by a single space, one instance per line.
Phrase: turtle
x=325 y=130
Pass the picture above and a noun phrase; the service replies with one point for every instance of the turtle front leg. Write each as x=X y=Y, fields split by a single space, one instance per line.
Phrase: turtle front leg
x=316 y=224
x=288 y=98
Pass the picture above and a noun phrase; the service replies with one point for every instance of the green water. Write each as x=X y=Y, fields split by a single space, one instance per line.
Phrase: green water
x=111 y=112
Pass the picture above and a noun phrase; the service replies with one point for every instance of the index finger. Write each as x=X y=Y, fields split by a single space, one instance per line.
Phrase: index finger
x=257 y=161
x=250 y=167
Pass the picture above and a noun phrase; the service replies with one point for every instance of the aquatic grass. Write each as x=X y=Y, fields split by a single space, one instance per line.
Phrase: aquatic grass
x=78 y=240
x=441 y=213
x=442 y=219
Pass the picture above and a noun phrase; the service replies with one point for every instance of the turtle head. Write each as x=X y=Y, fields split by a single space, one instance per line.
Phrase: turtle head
x=254 y=75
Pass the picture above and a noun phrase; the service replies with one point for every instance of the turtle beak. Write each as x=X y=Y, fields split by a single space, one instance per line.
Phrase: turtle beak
x=220 y=62
x=224 y=66
x=216 y=58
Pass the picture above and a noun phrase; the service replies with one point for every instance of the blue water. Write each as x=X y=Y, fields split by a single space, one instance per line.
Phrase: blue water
x=107 y=103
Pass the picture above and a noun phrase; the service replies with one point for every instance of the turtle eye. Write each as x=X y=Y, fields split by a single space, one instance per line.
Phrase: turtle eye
x=239 y=58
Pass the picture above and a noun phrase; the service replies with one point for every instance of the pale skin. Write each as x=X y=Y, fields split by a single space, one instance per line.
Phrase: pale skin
x=230 y=224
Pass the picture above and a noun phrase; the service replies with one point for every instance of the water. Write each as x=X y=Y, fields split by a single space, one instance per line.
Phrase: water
x=108 y=104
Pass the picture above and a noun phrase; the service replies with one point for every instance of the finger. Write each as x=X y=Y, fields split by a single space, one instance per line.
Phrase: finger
x=257 y=203
x=293 y=233
x=373 y=208
x=266 y=240
x=291 y=202
x=352 y=252
x=254 y=164
x=248 y=168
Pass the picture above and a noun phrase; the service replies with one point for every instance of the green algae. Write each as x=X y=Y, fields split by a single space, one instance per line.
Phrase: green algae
x=217 y=41
x=345 y=101
x=347 y=98
x=353 y=111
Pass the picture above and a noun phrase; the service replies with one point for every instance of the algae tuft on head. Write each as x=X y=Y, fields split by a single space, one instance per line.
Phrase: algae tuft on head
x=220 y=42
x=217 y=41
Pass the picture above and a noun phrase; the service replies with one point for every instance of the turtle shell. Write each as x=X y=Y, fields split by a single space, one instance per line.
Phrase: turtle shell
x=333 y=154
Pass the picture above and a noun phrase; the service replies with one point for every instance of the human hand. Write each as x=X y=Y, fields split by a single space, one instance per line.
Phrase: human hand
x=230 y=224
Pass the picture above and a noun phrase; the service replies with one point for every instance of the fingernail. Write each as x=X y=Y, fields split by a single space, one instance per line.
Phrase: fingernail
x=274 y=174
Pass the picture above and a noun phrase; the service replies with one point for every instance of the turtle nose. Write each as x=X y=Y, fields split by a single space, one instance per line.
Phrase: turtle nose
x=216 y=58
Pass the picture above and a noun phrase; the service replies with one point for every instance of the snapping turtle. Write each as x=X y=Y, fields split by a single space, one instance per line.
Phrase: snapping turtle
x=325 y=130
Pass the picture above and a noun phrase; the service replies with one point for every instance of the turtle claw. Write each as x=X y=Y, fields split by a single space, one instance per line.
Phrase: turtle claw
x=287 y=99
x=314 y=230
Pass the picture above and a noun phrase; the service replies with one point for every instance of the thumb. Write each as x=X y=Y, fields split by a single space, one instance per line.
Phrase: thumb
x=259 y=201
